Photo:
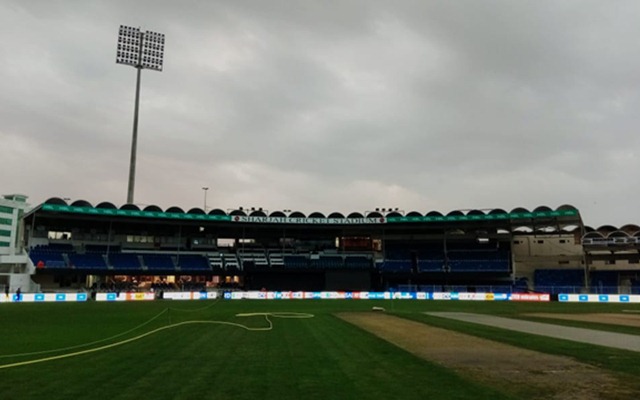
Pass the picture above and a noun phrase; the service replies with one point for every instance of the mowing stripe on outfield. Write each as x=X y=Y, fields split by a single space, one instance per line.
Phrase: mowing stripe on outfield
x=194 y=309
x=133 y=339
x=601 y=338
x=77 y=346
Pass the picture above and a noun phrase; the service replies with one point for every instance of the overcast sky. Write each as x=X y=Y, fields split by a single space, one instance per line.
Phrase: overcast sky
x=328 y=105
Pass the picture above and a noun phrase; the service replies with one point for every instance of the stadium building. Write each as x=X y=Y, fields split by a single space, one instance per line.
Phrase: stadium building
x=78 y=246
x=15 y=268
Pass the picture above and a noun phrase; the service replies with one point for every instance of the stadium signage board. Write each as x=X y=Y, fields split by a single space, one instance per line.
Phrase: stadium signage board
x=286 y=295
x=43 y=297
x=530 y=297
x=505 y=217
x=190 y=295
x=266 y=295
x=126 y=296
x=309 y=221
x=599 y=298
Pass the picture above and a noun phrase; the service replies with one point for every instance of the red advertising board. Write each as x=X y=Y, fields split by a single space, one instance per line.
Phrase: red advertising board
x=530 y=297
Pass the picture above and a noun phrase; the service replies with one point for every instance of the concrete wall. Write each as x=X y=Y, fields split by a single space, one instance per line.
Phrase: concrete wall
x=546 y=251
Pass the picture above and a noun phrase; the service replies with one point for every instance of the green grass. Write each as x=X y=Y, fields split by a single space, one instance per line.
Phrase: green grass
x=318 y=358
x=620 y=361
x=322 y=357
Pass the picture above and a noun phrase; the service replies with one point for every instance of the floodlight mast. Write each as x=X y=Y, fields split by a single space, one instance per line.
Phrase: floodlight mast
x=134 y=140
x=140 y=50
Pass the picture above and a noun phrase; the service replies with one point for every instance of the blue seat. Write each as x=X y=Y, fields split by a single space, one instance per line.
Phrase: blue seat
x=125 y=261
x=295 y=261
x=87 y=261
x=555 y=280
x=396 y=266
x=50 y=257
x=193 y=262
x=159 y=262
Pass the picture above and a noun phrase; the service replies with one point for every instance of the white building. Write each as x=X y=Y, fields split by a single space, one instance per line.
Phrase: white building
x=15 y=268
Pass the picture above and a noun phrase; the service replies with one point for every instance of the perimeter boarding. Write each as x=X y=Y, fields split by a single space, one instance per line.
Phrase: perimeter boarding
x=326 y=295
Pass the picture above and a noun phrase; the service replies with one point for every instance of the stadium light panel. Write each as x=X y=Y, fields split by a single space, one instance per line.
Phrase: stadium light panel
x=141 y=50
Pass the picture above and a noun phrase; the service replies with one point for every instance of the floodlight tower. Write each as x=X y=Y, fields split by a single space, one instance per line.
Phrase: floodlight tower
x=141 y=50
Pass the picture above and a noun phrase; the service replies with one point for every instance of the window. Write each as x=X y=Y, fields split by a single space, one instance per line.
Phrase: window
x=59 y=235
x=139 y=239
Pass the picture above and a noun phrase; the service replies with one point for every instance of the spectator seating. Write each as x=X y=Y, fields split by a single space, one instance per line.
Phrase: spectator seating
x=605 y=282
x=559 y=280
x=396 y=266
x=158 y=262
x=231 y=263
x=296 y=261
x=276 y=259
x=357 y=262
x=635 y=286
x=431 y=265
x=326 y=262
x=124 y=261
x=254 y=258
x=216 y=261
x=87 y=261
x=49 y=256
x=454 y=257
x=193 y=262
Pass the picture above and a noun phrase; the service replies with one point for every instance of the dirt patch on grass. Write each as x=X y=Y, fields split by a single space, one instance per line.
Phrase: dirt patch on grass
x=613 y=319
x=523 y=373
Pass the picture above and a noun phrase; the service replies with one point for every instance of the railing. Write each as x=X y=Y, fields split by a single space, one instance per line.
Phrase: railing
x=619 y=240
x=520 y=289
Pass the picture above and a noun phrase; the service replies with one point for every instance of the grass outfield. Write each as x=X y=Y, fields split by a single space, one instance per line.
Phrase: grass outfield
x=313 y=358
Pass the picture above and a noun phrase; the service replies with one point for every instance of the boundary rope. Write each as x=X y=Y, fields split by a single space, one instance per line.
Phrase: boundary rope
x=141 y=336
x=168 y=309
x=33 y=353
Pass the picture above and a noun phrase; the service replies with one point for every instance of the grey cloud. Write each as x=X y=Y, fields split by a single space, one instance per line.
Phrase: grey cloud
x=329 y=105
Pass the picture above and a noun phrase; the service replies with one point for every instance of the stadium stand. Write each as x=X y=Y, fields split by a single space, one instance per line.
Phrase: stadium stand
x=193 y=263
x=395 y=266
x=326 y=262
x=635 y=286
x=49 y=256
x=216 y=261
x=125 y=261
x=357 y=262
x=158 y=262
x=522 y=250
x=276 y=259
x=87 y=261
x=559 y=280
x=605 y=282
x=231 y=263
x=296 y=261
